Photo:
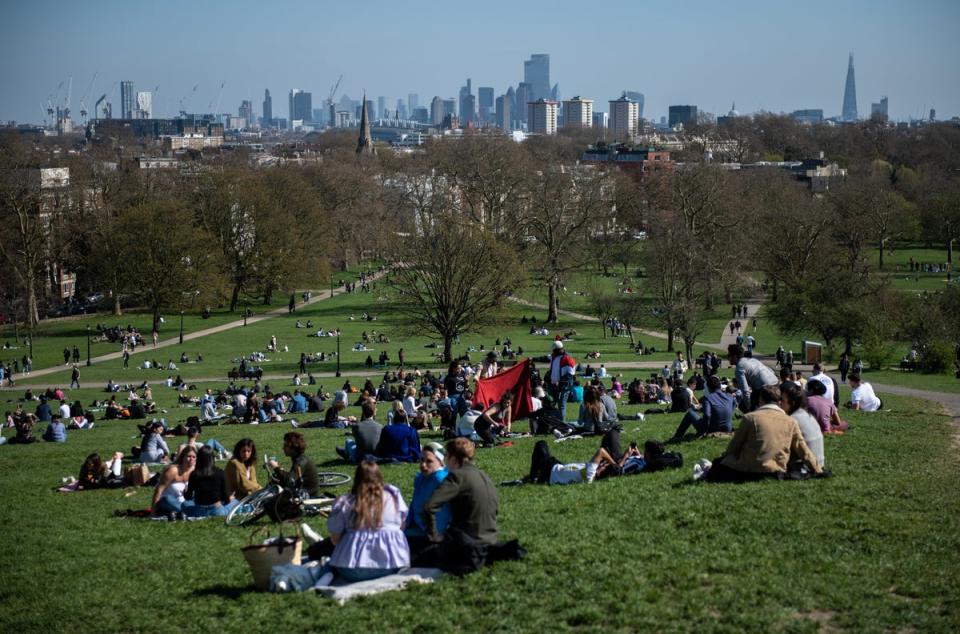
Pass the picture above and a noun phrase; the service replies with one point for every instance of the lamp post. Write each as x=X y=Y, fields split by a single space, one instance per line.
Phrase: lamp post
x=331 y=286
x=338 y=353
x=88 y=346
x=181 y=327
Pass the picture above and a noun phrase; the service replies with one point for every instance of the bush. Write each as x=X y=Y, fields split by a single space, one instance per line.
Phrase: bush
x=936 y=356
x=877 y=352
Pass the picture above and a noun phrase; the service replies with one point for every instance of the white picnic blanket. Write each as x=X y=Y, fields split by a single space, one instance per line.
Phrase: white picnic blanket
x=341 y=592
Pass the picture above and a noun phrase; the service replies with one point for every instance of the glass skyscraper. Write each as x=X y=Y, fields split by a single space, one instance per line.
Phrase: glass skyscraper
x=536 y=73
x=849 y=112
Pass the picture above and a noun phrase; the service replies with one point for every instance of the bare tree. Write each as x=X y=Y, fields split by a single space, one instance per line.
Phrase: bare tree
x=453 y=278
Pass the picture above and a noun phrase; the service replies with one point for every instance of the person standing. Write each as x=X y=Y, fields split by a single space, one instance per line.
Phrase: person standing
x=75 y=378
x=76 y=354
x=562 y=373
x=844 y=367
x=126 y=358
x=66 y=356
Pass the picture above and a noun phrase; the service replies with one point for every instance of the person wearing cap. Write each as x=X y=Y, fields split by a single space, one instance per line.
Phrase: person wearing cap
x=562 y=374
x=433 y=472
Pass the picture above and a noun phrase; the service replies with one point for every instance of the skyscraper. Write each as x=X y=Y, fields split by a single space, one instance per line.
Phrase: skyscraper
x=301 y=105
x=542 y=116
x=536 y=73
x=503 y=112
x=381 y=108
x=524 y=96
x=413 y=101
x=880 y=110
x=246 y=111
x=485 y=102
x=849 y=112
x=638 y=97
x=578 y=113
x=436 y=111
x=624 y=116
x=467 y=103
x=126 y=100
x=685 y=115
x=267 y=108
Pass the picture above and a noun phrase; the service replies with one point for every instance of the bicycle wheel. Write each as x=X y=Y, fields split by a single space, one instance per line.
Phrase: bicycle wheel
x=333 y=479
x=251 y=508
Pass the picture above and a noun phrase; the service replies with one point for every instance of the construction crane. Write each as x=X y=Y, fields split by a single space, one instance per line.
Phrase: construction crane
x=330 y=108
x=333 y=91
x=184 y=101
x=216 y=100
x=52 y=98
x=83 y=100
x=66 y=102
x=96 y=107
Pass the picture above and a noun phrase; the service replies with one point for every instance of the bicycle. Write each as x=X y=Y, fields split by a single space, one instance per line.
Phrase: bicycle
x=283 y=504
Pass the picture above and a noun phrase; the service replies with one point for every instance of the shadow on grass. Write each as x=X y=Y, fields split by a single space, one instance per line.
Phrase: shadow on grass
x=226 y=592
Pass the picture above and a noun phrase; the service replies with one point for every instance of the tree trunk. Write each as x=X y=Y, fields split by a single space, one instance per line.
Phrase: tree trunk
x=156 y=319
x=670 y=332
x=551 y=303
x=848 y=345
x=882 y=243
x=33 y=311
x=950 y=251
x=773 y=298
x=447 y=348
x=630 y=332
x=268 y=295
x=117 y=311
x=234 y=297
x=689 y=347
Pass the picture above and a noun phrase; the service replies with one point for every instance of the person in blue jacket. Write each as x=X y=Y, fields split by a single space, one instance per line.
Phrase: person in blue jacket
x=399 y=442
x=55 y=431
x=433 y=471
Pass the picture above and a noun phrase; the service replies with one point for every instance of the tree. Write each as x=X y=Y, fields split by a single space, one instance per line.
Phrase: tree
x=173 y=256
x=453 y=278
x=565 y=206
x=603 y=306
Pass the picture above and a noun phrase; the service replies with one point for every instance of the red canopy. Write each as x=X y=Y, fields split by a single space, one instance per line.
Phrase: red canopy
x=515 y=379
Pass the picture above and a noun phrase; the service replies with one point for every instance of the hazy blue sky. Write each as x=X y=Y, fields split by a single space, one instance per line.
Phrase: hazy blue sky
x=764 y=54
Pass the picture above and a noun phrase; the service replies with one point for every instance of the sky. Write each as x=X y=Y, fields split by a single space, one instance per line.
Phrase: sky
x=762 y=54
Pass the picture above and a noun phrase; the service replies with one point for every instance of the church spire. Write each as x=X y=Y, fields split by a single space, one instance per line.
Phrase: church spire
x=365 y=142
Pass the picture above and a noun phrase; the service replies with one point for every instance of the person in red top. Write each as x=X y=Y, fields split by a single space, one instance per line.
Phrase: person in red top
x=562 y=373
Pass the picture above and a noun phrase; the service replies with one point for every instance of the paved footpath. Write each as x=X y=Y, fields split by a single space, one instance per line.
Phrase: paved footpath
x=746 y=325
x=317 y=296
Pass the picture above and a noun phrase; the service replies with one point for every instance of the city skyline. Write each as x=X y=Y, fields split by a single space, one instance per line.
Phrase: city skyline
x=772 y=58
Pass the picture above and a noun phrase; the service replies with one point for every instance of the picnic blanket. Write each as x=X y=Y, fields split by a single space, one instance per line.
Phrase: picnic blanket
x=341 y=592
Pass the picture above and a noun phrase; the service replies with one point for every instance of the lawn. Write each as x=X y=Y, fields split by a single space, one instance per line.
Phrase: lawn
x=875 y=548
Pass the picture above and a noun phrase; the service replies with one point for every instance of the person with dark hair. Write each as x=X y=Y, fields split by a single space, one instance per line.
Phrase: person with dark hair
x=469 y=492
x=792 y=401
x=399 y=442
x=718 y=406
x=366 y=528
x=764 y=444
x=168 y=496
x=751 y=375
x=862 y=396
x=241 y=471
x=456 y=384
x=495 y=418
x=94 y=474
x=55 y=431
x=302 y=473
x=153 y=447
x=823 y=410
x=207 y=488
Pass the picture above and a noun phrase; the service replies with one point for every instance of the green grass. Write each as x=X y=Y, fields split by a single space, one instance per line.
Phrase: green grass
x=875 y=548
x=917 y=380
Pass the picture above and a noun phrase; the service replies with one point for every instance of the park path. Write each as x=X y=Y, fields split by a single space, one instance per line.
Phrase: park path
x=316 y=296
x=727 y=338
x=582 y=317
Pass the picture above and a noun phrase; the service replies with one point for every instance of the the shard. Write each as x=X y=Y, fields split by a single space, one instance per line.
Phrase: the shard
x=849 y=112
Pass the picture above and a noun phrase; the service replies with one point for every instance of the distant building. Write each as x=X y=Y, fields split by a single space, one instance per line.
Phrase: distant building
x=638 y=161
x=381 y=109
x=880 y=110
x=191 y=142
x=420 y=115
x=126 y=100
x=144 y=108
x=638 y=97
x=810 y=116
x=542 y=117
x=449 y=107
x=536 y=74
x=436 y=111
x=485 y=103
x=413 y=101
x=849 y=112
x=503 y=117
x=468 y=105
x=246 y=112
x=730 y=117
x=682 y=115
x=578 y=113
x=600 y=121
x=301 y=105
x=524 y=95
x=267 y=109
x=624 y=117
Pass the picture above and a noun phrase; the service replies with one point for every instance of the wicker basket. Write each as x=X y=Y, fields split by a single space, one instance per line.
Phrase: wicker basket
x=262 y=557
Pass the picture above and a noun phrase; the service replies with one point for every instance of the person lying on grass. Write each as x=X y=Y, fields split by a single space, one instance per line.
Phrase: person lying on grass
x=545 y=469
x=764 y=445
x=168 y=496
x=94 y=474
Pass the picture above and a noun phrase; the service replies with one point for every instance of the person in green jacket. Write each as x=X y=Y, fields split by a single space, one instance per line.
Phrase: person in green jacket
x=469 y=492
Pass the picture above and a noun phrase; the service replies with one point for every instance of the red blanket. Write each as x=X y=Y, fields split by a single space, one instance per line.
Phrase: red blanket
x=515 y=379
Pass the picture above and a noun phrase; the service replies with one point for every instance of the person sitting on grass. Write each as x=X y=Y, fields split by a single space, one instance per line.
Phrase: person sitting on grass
x=792 y=401
x=94 y=474
x=366 y=435
x=399 y=442
x=751 y=375
x=207 y=488
x=193 y=440
x=366 y=529
x=862 y=396
x=823 y=410
x=718 y=406
x=168 y=496
x=495 y=419
x=241 y=471
x=55 y=431
x=303 y=473
x=432 y=473
x=153 y=448
x=763 y=446
x=471 y=496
